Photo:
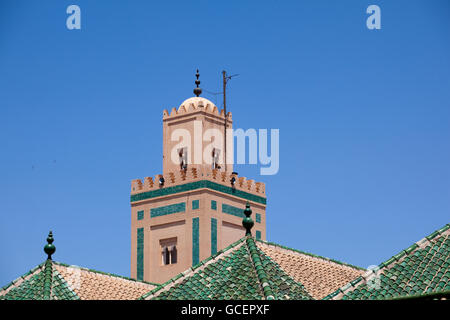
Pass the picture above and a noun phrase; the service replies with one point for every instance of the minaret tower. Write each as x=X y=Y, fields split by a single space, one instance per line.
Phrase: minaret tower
x=195 y=207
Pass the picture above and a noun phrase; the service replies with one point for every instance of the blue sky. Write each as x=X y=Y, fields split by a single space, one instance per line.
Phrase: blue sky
x=364 y=119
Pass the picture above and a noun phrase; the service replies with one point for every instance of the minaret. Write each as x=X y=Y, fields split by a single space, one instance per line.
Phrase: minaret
x=193 y=135
x=195 y=207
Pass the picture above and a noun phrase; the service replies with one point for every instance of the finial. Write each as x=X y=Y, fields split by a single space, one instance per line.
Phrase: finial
x=50 y=248
x=247 y=222
x=197 y=91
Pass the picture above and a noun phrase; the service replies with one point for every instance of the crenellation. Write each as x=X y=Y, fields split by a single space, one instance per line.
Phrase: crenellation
x=171 y=178
x=157 y=177
x=184 y=175
x=194 y=174
x=251 y=185
x=148 y=182
x=136 y=185
x=190 y=174
x=180 y=175
x=241 y=181
x=223 y=176
x=214 y=174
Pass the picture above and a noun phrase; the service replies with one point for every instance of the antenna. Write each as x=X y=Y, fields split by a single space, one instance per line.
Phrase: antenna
x=225 y=78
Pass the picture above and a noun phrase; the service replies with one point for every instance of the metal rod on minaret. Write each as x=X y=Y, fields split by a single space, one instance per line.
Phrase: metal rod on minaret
x=224 y=76
x=225 y=80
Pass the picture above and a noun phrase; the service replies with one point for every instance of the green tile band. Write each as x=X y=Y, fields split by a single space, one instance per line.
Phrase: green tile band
x=195 y=204
x=140 y=254
x=169 y=209
x=258 y=218
x=213 y=204
x=213 y=236
x=140 y=215
x=258 y=235
x=195 y=241
x=197 y=185
x=235 y=211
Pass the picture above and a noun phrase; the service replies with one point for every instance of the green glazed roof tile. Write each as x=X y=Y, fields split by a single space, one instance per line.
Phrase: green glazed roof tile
x=418 y=270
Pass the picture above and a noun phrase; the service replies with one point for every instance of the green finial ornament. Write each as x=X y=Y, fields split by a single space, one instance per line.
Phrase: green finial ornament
x=50 y=248
x=247 y=222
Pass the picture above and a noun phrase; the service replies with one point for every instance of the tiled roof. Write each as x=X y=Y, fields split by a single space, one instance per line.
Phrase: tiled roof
x=422 y=269
x=255 y=269
x=320 y=276
x=241 y=271
x=58 y=281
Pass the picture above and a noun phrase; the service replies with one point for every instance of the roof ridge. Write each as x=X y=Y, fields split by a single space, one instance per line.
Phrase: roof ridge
x=190 y=270
x=310 y=254
x=421 y=243
x=281 y=271
x=105 y=273
x=65 y=282
x=48 y=280
x=396 y=258
x=259 y=269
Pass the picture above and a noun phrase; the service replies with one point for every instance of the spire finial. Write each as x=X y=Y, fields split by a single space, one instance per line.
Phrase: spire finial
x=247 y=222
x=50 y=248
x=197 y=91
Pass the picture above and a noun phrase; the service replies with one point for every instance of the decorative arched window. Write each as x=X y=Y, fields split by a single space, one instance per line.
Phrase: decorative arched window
x=169 y=252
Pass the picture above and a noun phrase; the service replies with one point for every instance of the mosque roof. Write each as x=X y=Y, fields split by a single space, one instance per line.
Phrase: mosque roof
x=254 y=269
